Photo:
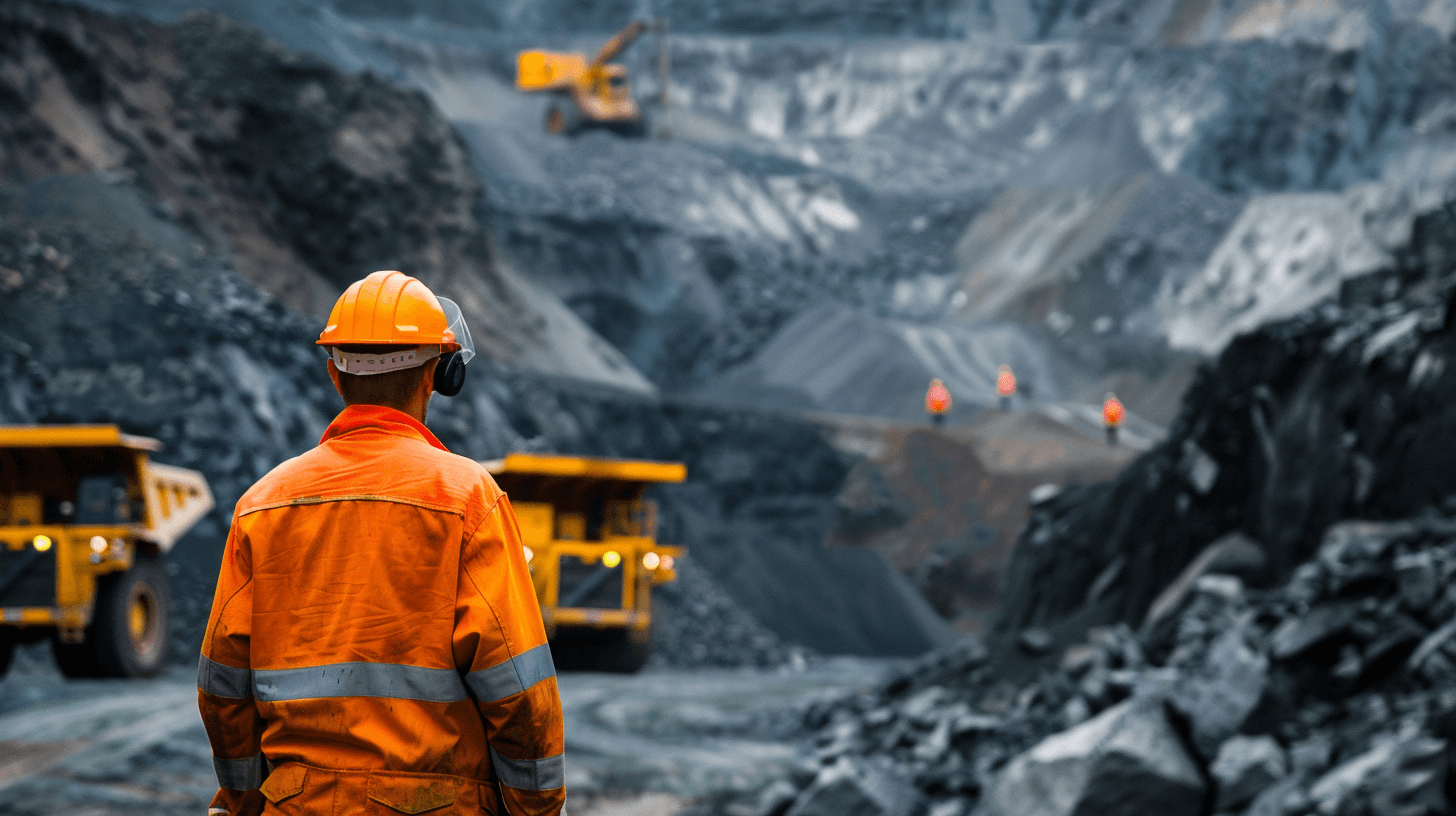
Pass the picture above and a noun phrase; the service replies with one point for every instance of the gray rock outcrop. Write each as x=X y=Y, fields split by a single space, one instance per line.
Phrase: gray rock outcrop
x=1126 y=761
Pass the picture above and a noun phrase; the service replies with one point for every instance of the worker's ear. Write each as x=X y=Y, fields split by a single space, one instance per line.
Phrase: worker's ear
x=334 y=376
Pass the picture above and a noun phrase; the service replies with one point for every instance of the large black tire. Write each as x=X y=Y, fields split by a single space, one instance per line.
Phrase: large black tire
x=128 y=635
x=603 y=650
x=638 y=128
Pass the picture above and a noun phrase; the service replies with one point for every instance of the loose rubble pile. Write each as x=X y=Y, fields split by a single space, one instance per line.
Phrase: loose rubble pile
x=1333 y=694
x=697 y=624
x=1212 y=631
x=1343 y=411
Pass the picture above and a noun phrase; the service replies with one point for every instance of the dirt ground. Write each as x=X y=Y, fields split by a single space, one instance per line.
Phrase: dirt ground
x=650 y=744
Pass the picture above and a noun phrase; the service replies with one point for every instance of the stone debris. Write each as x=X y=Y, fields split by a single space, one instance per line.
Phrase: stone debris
x=856 y=787
x=1245 y=767
x=1127 y=760
x=1330 y=695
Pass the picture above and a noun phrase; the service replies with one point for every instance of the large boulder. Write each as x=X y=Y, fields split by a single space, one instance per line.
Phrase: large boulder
x=1245 y=767
x=1127 y=761
x=856 y=787
x=1220 y=693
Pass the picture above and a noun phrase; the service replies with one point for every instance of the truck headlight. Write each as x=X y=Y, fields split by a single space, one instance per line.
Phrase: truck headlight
x=667 y=562
x=98 y=544
x=611 y=558
x=651 y=560
x=41 y=543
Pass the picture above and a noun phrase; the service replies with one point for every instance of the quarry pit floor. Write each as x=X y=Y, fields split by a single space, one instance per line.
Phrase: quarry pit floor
x=650 y=744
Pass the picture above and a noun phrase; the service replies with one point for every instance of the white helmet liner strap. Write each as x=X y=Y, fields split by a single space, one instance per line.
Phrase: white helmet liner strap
x=366 y=362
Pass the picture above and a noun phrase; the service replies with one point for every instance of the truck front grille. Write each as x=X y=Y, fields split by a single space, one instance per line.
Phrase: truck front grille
x=589 y=585
x=27 y=577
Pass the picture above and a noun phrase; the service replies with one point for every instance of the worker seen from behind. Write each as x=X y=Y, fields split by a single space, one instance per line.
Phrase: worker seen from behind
x=375 y=644
x=937 y=402
x=1005 y=386
x=1112 y=416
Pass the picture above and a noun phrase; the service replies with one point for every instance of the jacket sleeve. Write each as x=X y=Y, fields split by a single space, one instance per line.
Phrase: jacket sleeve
x=225 y=686
x=500 y=643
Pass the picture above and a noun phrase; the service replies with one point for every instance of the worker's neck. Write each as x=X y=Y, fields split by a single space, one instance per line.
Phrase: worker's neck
x=417 y=409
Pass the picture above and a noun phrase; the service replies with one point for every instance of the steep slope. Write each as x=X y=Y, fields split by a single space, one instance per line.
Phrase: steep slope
x=1078 y=168
x=1343 y=411
x=305 y=178
x=178 y=197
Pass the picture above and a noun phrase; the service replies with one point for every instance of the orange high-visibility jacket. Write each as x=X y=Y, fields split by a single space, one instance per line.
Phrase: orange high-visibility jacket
x=1006 y=384
x=937 y=399
x=375 y=643
x=1112 y=413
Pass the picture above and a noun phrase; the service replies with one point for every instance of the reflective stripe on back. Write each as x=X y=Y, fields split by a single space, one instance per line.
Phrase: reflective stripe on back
x=394 y=680
x=512 y=676
x=239 y=774
x=530 y=774
x=224 y=681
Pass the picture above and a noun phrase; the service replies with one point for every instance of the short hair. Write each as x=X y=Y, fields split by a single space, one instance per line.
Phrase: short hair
x=392 y=389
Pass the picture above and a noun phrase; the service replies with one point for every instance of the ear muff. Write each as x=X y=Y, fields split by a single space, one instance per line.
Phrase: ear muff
x=449 y=374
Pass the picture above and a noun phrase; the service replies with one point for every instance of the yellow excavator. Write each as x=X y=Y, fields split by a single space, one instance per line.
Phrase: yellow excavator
x=585 y=94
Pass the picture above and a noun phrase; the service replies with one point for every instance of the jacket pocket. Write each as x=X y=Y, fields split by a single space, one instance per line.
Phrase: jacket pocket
x=412 y=793
x=283 y=782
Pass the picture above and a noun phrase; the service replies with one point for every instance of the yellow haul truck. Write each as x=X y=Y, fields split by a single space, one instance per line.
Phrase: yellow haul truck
x=84 y=520
x=591 y=542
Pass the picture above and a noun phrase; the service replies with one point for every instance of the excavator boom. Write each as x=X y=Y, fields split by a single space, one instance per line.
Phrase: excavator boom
x=618 y=44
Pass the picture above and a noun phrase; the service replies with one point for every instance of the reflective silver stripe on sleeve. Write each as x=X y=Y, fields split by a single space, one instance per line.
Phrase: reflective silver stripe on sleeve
x=512 y=676
x=224 y=681
x=240 y=774
x=394 y=680
x=530 y=774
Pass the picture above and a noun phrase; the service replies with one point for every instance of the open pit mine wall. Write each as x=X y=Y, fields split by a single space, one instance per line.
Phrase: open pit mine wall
x=1347 y=410
x=174 y=202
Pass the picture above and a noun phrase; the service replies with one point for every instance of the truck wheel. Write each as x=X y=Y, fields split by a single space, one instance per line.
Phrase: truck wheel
x=128 y=636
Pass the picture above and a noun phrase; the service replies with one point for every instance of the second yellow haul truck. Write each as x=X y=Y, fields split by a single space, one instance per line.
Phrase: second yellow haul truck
x=591 y=540
x=85 y=517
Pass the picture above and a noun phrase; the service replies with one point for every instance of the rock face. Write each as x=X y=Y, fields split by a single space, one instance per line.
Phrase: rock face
x=1342 y=411
x=1126 y=761
x=158 y=249
x=1317 y=684
x=302 y=177
x=1218 y=711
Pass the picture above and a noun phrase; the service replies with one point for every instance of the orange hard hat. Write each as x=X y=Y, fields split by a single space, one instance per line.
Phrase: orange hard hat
x=389 y=309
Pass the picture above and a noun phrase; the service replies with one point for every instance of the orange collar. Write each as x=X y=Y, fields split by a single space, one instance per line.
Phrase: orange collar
x=379 y=418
